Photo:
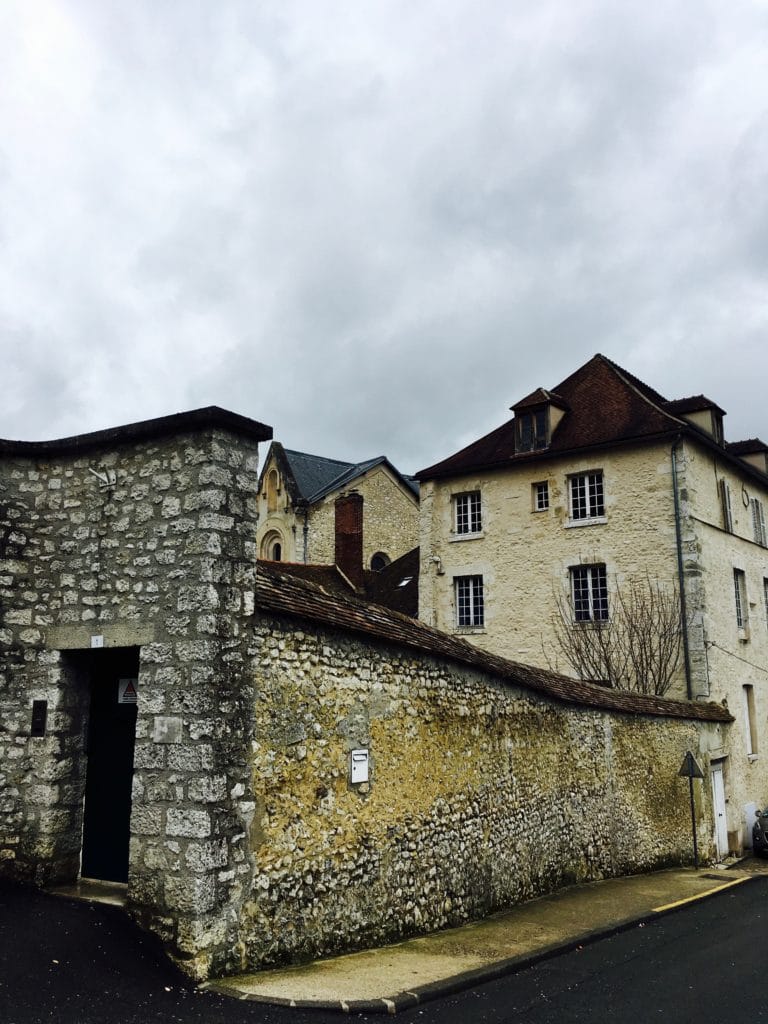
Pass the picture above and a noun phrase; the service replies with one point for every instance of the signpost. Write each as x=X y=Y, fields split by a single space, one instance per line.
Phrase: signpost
x=690 y=770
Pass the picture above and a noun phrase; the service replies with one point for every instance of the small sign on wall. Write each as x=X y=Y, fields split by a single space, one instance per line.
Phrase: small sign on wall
x=358 y=768
x=127 y=691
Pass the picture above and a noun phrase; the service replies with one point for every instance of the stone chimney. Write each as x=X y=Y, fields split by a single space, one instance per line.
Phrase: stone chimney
x=349 y=537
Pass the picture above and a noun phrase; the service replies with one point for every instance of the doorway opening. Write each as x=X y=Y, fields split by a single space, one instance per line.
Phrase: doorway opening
x=109 y=763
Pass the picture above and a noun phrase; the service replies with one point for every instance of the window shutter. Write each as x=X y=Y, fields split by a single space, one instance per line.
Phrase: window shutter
x=725 y=498
x=758 y=521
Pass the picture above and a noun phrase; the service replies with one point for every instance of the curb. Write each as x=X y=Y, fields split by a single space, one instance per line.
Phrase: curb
x=480 y=975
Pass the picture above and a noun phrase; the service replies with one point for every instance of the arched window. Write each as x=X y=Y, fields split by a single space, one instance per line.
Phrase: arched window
x=273 y=490
x=380 y=561
x=272 y=546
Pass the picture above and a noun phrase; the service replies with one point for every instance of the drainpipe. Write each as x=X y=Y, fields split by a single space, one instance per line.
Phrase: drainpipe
x=305 y=531
x=680 y=576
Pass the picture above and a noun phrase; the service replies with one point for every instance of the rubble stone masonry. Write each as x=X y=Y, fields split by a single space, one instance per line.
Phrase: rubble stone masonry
x=249 y=844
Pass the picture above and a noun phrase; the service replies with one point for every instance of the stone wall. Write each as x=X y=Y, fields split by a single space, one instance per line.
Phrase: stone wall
x=524 y=555
x=159 y=559
x=248 y=843
x=390 y=519
x=482 y=794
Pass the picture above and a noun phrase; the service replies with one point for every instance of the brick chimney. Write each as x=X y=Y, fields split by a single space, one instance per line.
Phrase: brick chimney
x=349 y=537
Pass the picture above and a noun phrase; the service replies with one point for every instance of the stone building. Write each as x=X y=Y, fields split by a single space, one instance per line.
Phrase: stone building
x=594 y=487
x=297 y=508
x=272 y=768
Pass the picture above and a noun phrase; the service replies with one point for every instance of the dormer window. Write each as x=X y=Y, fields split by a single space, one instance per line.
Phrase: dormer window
x=532 y=431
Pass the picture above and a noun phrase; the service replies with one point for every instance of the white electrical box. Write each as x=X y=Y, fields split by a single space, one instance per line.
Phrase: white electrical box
x=358 y=770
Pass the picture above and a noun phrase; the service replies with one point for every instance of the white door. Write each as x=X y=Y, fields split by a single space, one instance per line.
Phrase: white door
x=718 y=800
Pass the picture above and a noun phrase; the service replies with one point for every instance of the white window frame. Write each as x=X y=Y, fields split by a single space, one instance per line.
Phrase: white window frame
x=467 y=514
x=741 y=601
x=541 y=496
x=469 y=594
x=589 y=593
x=586 y=497
x=758 y=521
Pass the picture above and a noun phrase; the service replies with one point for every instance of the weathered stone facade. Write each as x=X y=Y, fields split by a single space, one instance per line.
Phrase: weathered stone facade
x=482 y=794
x=662 y=470
x=248 y=842
x=161 y=559
x=305 y=531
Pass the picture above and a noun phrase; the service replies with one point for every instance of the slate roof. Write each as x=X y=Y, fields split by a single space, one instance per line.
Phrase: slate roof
x=309 y=478
x=605 y=406
x=282 y=593
x=397 y=585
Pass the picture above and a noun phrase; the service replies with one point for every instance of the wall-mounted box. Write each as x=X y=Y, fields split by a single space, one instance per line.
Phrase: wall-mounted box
x=358 y=766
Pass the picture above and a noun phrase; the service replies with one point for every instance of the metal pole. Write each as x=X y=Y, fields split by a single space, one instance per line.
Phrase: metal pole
x=693 y=826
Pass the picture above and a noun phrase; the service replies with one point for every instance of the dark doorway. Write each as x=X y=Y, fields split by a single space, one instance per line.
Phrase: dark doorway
x=111 y=737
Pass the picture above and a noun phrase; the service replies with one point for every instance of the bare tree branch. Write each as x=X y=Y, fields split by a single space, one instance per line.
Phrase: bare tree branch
x=637 y=648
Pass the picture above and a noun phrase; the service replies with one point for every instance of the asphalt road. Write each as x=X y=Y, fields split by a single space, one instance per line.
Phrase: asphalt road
x=75 y=963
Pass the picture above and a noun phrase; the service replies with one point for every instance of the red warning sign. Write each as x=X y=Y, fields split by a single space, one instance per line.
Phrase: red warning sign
x=127 y=691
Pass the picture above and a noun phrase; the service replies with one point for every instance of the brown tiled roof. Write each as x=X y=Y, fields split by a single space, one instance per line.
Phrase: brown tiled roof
x=328 y=577
x=283 y=593
x=539 y=397
x=693 y=404
x=748 y=447
x=605 y=406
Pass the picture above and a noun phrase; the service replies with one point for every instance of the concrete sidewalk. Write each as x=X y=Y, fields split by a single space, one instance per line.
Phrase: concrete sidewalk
x=395 y=977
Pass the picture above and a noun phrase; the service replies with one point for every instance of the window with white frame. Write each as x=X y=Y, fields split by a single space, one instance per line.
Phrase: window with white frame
x=470 y=602
x=758 y=521
x=740 y=595
x=589 y=593
x=750 y=721
x=587 y=496
x=541 y=496
x=468 y=516
x=725 y=501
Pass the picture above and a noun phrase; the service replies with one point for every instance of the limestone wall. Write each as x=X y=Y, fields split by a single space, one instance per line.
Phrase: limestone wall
x=390 y=519
x=162 y=562
x=524 y=555
x=482 y=794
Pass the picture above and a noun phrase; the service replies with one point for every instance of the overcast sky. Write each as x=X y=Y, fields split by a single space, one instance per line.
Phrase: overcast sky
x=376 y=225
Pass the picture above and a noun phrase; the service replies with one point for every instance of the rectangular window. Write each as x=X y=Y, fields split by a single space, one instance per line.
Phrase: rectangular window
x=541 y=496
x=740 y=594
x=468 y=517
x=750 y=721
x=532 y=430
x=725 y=501
x=587 y=496
x=758 y=521
x=470 y=607
x=589 y=592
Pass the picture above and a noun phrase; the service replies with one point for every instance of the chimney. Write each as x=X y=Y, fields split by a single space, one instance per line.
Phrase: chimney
x=349 y=537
